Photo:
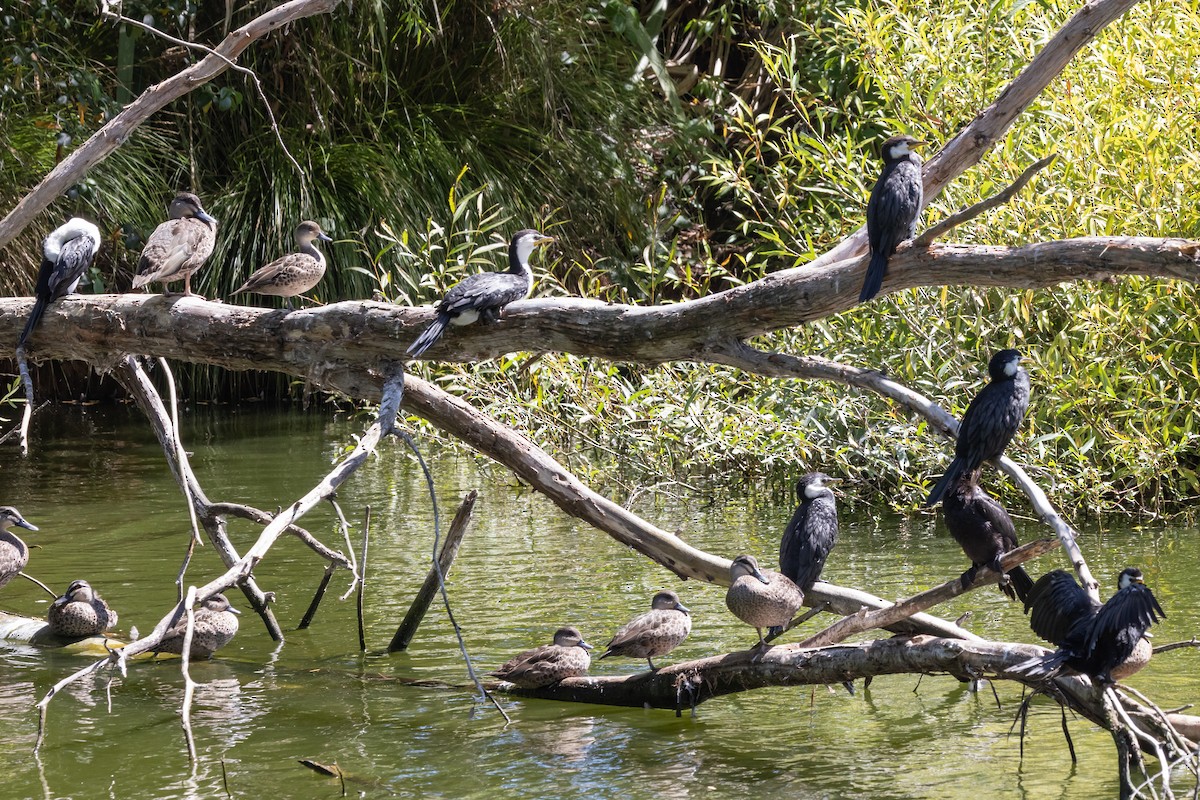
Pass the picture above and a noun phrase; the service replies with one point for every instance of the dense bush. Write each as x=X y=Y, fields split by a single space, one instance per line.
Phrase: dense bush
x=427 y=135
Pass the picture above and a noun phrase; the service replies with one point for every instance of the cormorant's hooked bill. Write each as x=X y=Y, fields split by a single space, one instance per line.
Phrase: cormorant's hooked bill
x=893 y=209
x=991 y=421
x=483 y=296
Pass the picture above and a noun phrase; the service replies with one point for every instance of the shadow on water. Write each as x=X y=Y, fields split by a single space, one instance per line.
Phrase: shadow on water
x=98 y=487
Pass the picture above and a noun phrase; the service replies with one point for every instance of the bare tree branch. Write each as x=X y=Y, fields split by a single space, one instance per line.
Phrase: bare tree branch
x=104 y=141
x=970 y=144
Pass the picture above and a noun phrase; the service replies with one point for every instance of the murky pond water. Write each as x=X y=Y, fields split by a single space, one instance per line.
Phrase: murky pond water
x=98 y=487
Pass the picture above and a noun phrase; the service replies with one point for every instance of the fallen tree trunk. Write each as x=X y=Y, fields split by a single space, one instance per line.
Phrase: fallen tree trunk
x=356 y=335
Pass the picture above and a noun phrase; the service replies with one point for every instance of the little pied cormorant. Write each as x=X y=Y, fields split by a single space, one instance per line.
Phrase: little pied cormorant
x=812 y=533
x=991 y=421
x=482 y=296
x=893 y=209
x=1106 y=642
x=66 y=254
x=985 y=532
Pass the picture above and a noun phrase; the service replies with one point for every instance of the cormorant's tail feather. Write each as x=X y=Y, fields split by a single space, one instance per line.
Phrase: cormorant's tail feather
x=1043 y=667
x=429 y=336
x=1022 y=584
x=874 y=280
x=35 y=316
x=939 y=489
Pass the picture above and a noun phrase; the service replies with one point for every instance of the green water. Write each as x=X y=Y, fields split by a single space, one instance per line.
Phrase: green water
x=98 y=487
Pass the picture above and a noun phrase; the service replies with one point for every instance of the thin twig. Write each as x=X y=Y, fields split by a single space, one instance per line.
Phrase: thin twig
x=866 y=620
x=462 y=645
x=27 y=414
x=970 y=212
x=344 y=527
x=1163 y=648
x=189 y=686
x=445 y=558
x=362 y=580
x=32 y=579
x=235 y=67
x=180 y=454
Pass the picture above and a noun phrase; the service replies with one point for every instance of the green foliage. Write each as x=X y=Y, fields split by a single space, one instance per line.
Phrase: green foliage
x=1115 y=367
x=427 y=133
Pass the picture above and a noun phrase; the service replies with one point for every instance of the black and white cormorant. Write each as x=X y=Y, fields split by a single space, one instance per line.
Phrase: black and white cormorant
x=482 y=296
x=1106 y=642
x=991 y=421
x=985 y=532
x=812 y=533
x=893 y=209
x=66 y=254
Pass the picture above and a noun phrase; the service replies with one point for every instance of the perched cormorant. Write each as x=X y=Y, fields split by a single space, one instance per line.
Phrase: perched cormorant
x=893 y=208
x=655 y=633
x=985 y=532
x=991 y=420
x=295 y=273
x=1106 y=642
x=482 y=296
x=761 y=598
x=179 y=246
x=66 y=254
x=546 y=665
x=14 y=553
x=216 y=623
x=80 y=612
x=812 y=533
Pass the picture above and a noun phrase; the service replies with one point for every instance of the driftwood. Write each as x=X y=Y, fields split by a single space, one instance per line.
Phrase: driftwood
x=437 y=574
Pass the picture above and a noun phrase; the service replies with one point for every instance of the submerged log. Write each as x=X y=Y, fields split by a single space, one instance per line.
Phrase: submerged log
x=18 y=628
x=690 y=683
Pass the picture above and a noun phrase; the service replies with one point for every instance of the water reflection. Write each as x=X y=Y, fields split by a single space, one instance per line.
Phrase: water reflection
x=262 y=706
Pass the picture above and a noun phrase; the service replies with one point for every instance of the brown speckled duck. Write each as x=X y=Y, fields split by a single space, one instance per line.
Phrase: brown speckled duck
x=760 y=597
x=546 y=665
x=80 y=612
x=294 y=274
x=14 y=554
x=216 y=624
x=655 y=633
x=179 y=246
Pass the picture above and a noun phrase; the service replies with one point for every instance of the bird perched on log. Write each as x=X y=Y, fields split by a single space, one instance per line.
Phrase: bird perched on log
x=991 y=421
x=812 y=533
x=550 y=663
x=893 y=209
x=66 y=254
x=483 y=296
x=761 y=598
x=216 y=623
x=655 y=633
x=985 y=532
x=1106 y=642
x=80 y=612
x=179 y=246
x=14 y=553
x=295 y=273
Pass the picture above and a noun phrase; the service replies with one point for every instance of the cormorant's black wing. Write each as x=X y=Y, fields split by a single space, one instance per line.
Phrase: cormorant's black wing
x=807 y=541
x=64 y=274
x=997 y=519
x=485 y=290
x=1060 y=609
x=1134 y=608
